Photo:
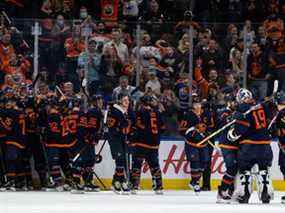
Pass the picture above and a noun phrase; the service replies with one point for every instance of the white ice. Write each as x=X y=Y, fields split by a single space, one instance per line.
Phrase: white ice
x=145 y=201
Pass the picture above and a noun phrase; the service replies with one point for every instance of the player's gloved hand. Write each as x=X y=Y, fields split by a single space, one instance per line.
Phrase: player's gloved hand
x=279 y=97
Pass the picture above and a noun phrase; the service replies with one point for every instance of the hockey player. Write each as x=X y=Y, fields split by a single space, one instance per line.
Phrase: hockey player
x=149 y=126
x=229 y=151
x=54 y=144
x=254 y=140
x=280 y=127
x=14 y=144
x=94 y=134
x=2 y=141
x=34 y=146
x=118 y=126
x=208 y=118
x=193 y=129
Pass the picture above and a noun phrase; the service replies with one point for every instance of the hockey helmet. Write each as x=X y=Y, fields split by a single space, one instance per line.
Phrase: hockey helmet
x=243 y=95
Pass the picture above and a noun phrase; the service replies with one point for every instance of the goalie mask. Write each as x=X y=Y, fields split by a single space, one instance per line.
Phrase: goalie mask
x=243 y=95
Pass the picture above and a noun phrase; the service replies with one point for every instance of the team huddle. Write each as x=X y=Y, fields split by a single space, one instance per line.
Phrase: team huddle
x=59 y=132
x=245 y=131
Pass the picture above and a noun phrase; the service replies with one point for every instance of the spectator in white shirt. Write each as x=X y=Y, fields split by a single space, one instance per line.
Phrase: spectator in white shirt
x=124 y=87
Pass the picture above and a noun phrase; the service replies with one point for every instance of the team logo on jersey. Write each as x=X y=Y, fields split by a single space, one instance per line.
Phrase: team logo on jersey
x=184 y=93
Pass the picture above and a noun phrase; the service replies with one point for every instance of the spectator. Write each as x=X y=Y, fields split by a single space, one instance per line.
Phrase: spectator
x=231 y=37
x=91 y=61
x=59 y=33
x=276 y=57
x=52 y=7
x=154 y=20
x=6 y=52
x=238 y=46
x=248 y=31
x=237 y=64
x=86 y=20
x=254 y=10
x=74 y=45
x=123 y=87
x=273 y=24
x=212 y=58
x=153 y=85
x=261 y=37
x=184 y=26
x=18 y=65
x=257 y=72
x=116 y=53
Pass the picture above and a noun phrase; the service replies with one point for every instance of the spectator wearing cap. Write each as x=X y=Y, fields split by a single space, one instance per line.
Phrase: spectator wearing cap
x=123 y=88
x=257 y=72
x=91 y=61
x=183 y=26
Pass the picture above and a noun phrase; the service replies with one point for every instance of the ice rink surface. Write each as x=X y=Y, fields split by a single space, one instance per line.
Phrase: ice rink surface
x=144 y=202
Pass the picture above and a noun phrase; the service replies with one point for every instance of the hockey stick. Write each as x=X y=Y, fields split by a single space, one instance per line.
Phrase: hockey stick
x=100 y=181
x=127 y=159
x=98 y=156
x=46 y=158
x=247 y=112
x=60 y=91
x=2 y=164
x=17 y=31
x=79 y=153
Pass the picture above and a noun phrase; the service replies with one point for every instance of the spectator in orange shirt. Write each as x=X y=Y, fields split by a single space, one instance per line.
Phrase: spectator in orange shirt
x=6 y=51
x=18 y=64
x=74 y=45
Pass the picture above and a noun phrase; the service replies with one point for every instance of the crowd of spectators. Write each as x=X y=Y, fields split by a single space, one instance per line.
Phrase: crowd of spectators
x=227 y=36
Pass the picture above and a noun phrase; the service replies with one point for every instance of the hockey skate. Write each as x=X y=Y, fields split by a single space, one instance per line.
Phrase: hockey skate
x=134 y=190
x=77 y=189
x=158 y=191
x=10 y=186
x=195 y=187
x=116 y=187
x=223 y=196
x=283 y=200
x=157 y=187
x=91 y=187
x=125 y=188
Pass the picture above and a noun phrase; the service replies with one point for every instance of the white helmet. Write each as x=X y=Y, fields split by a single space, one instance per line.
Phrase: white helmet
x=242 y=95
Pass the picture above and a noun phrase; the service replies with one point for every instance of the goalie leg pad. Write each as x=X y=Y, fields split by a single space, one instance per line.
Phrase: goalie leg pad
x=244 y=187
x=264 y=186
